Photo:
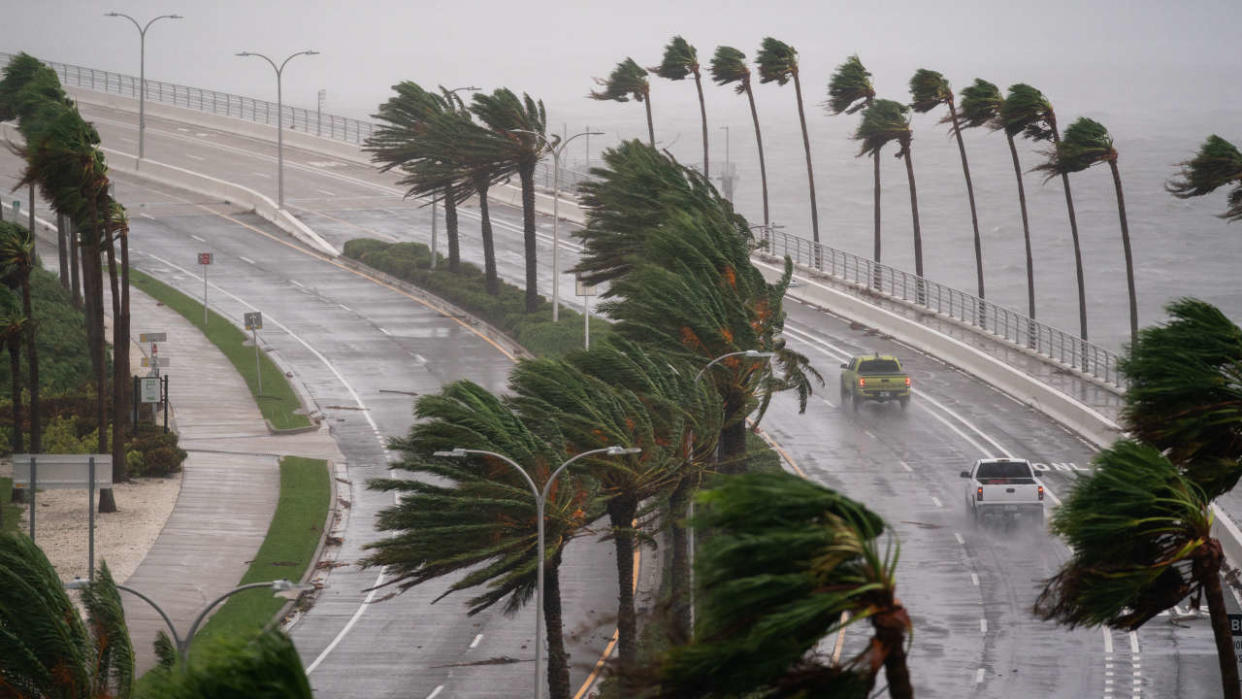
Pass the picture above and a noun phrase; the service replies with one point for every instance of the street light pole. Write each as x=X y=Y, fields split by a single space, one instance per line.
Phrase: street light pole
x=280 y=119
x=142 y=73
x=541 y=499
x=556 y=150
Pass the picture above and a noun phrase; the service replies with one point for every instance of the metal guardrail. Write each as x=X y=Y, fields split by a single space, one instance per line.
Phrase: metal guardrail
x=996 y=322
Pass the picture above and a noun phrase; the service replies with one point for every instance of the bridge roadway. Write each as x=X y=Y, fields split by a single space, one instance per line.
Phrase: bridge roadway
x=969 y=590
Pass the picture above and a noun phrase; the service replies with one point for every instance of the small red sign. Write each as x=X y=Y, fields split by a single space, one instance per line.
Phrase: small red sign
x=204 y=258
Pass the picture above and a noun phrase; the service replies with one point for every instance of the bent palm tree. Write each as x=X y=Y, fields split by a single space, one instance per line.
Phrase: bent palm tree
x=1085 y=143
x=1026 y=109
x=850 y=90
x=1141 y=535
x=1217 y=164
x=627 y=81
x=928 y=90
x=728 y=67
x=778 y=62
x=883 y=122
x=787 y=558
x=680 y=61
x=17 y=260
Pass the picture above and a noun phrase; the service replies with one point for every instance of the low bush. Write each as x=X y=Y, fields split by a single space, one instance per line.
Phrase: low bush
x=64 y=364
x=153 y=453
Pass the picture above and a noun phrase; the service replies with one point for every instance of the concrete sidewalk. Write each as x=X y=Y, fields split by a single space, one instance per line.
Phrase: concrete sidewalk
x=230 y=485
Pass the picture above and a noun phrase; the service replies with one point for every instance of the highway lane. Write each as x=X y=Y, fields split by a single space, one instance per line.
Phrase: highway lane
x=986 y=649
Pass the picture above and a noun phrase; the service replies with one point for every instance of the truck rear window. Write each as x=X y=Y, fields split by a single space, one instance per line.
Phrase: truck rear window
x=879 y=366
x=1003 y=470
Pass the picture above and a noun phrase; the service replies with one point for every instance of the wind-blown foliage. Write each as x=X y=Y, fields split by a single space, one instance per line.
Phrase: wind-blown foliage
x=627 y=81
x=1218 y=163
x=928 y=90
x=17 y=263
x=728 y=67
x=778 y=62
x=264 y=667
x=786 y=559
x=850 y=88
x=681 y=61
x=1026 y=111
x=980 y=104
x=883 y=122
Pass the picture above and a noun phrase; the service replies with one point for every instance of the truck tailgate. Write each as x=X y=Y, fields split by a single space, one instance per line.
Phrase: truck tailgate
x=1009 y=492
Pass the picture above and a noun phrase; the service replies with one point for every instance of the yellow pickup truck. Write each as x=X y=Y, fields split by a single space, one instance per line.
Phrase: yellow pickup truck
x=877 y=377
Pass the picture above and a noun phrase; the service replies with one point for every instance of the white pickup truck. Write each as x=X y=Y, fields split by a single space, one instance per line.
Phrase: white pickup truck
x=1004 y=488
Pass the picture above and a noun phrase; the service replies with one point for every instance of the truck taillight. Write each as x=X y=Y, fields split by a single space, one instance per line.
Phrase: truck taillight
x=1041 y=492
x=907 y=381
x=862 y=382
x=979 y=493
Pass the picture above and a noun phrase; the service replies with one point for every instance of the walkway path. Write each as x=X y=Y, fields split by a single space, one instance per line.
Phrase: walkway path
x=229 y=488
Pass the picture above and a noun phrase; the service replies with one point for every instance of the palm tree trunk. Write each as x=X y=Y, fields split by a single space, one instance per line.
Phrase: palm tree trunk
x=1125 y=243
x=74 y=268
x=120 y=368
x=32 y=363
x=650 y=124
x=92 y=278
x=1026 y=237
x=970 y=196
x=733 y=440
x=698 y=85
x=621 y=511
x=15 y=377
x=875 y=157
x=450 y=229
x=679 y=573
x=526 y=173
x=1073 y=221
x=489 y=247
x=918 y=234
x=890 y=632
x=810 y=172
x=1206 y=569
x=558 y=657
x=763 y=169
x=62 y=248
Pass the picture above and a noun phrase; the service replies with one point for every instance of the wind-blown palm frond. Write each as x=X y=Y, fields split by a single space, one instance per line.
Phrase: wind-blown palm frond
x=883 y=122
x=850 y=88
x=1218 y=163
x=777 y=61
x=113 y=665
x=680 y=60
x=728 y=67
x=1025 y=110
x=1085 y=143
x=628 y=81
x=1185 y=394
x=980 y=104
x=928 y=90
x=264 y=667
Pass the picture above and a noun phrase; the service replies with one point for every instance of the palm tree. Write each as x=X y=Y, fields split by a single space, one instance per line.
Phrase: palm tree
x=478 y=517
x=17 y=260
x=885 y=121
x=1085 y=143
x=728 y=67
x=264 y=667
x=628 y=81
x=928 y=90
x=1141 y=535
x=850 y=90
x=521 y=126
x=1218 y=163
x=680 y=61
x=12 y=331
x=1027 y=110
x=787 y=558
x=778 y=62
x=48 y=650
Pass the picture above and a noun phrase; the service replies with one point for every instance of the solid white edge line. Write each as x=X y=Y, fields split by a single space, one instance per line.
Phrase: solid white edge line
x=348 y=627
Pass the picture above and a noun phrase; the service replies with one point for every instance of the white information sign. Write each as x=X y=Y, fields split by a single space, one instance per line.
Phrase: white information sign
x=150 y=389
x=62 y=470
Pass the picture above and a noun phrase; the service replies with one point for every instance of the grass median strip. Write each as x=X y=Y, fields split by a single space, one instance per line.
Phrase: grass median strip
x=278 y=401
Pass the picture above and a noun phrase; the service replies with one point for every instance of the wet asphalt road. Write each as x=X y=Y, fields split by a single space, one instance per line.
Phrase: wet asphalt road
x=969 y=590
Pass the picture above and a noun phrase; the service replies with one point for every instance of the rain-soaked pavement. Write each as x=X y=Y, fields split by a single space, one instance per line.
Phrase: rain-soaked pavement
x=359 y=347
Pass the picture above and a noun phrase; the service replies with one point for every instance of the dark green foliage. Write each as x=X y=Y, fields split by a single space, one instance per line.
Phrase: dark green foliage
x=1185 y=394
x=1085 y=143
x=1025 y=110
x=1217 y=163
x=777 y=61
x=680 y=61
x=850 y=88
x=159 y=455
x=64 y=364
x=980 y=104
x=729 y=66
x=1135 y=526
x=884 y=121
x=928 y=90
x=505 y=113
x=627 y=81
x=263 y=667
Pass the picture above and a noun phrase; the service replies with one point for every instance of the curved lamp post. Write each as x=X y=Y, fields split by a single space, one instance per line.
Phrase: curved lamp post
x=452 y=92
x=541 y=499
x=278 y=587
x=556 y=149
x=280 y=123
x=142 y=71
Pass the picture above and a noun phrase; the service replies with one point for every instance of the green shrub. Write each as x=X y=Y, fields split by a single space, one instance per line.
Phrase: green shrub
x=64 y=364
x=154 y=453
x=63 y=435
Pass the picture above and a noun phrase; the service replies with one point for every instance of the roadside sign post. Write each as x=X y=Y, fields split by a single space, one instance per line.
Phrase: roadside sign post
x=586 y=291
x=67 y=471
x=254 y=323
x=204 y=259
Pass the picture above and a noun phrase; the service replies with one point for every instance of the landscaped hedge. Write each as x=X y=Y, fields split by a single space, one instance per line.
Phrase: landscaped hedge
x=465 y=289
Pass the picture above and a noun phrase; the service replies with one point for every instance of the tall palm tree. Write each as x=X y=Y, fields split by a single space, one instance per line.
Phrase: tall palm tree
x=12 y=331
x=681 y=61
x=850 y=90
x=627 y=81
x=928 y=90
x=478 y=517
x=48 y=651
x=728 y=67
x=521 y=126
x=786 y=559
x=1141 y=535
x=778 y=62
x=883 y=122
x=1085 y=143
x=1217 y=163
x=1027 y=110
x=17 y=260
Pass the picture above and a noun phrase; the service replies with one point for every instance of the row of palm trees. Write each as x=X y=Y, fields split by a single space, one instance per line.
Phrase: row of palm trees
x=1023 y=111
x=684 y=367
x=64 y=161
